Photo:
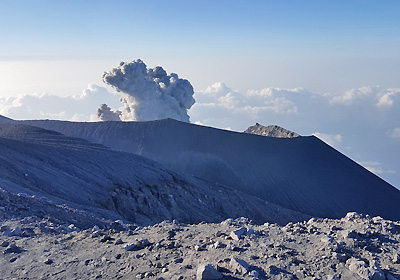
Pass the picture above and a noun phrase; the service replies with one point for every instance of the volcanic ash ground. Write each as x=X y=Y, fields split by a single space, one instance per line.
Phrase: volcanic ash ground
x=354 y=247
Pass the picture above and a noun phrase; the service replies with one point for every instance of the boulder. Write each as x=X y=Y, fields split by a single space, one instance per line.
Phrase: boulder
x=237 y=234
x=254 y=273
x=358 y=267
x=239 y=266
x=137 y=245
x=218 y=245
x=4 y=228
x=231 y=246
x=396 y=259
x=96 y=233
x=351 y=216
x=14 y=232
x=207 y=271
x=12 y=249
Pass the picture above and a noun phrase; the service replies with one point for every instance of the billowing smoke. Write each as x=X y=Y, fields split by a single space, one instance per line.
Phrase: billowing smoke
x=105 y=113
x=149 y=93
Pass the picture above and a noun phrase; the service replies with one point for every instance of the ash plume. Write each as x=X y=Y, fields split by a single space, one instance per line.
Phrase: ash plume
x=105 y=113
x=149 y=93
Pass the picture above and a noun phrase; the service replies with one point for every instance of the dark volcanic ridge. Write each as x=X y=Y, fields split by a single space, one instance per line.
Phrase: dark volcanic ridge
x=271 y=131
x=302 y=173
x=118 y=185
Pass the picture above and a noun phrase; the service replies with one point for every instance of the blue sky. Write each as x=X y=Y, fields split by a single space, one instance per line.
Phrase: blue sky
x=321 y=45
x=230 y=51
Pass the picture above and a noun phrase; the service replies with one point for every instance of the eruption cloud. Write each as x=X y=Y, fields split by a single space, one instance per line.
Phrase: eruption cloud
x=105 y=113
x=147 y=93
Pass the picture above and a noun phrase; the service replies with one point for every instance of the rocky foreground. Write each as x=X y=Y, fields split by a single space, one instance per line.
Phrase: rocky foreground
x=354 y=247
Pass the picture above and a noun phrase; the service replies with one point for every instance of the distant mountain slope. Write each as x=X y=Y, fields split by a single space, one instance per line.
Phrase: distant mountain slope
x=5 y=120
x=115 y=184
x=271 y=131
x=302 y=173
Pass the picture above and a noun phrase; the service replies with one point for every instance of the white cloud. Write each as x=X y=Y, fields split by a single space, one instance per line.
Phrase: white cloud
x=385 y=100
x=217 y=89
x=229 y=101
x=360 y=121
x=218 y=105
x=266 y=92
x=369 y=95
x=387 y=97
x=376 y=167
x=394 y=133
x=351 y=95
x=218 y=98
x=331 y=139
x=82 y=107
x=373 y=166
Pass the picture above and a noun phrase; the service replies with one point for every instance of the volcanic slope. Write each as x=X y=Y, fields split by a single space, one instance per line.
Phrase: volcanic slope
x=4 y=120
x=302 y=173
x=117 y=185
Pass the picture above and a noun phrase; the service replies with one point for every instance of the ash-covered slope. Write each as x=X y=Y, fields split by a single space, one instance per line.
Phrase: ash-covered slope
x=114 y=184
x=302 y=173
x=271 y=131
x=5 y=120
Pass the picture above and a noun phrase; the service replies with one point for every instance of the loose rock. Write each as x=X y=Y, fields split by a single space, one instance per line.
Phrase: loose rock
x=13 y=249
x=239 y=266
x=137 y=245
x=237 y=234
x=119 y=241
x=14 y=232
x=207 y=271
x=4 y=228
x=231 y=246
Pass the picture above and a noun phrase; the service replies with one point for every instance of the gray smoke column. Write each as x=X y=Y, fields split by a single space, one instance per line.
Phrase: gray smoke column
x=150 y=93
x=105 y=113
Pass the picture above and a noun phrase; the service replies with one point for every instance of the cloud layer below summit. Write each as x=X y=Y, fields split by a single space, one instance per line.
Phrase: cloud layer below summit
x=362 y=123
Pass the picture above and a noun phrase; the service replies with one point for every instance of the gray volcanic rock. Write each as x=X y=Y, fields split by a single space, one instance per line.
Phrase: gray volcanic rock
x=208 y=272
x=301 y=173
x=316 y=249
x=271 y=131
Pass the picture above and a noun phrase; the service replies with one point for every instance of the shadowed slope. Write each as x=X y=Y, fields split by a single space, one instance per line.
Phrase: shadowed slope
x=302 y=173
x=116 y=184
x=4 y=120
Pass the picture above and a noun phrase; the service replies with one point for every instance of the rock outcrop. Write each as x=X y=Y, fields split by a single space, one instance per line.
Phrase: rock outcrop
x=271 y=131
